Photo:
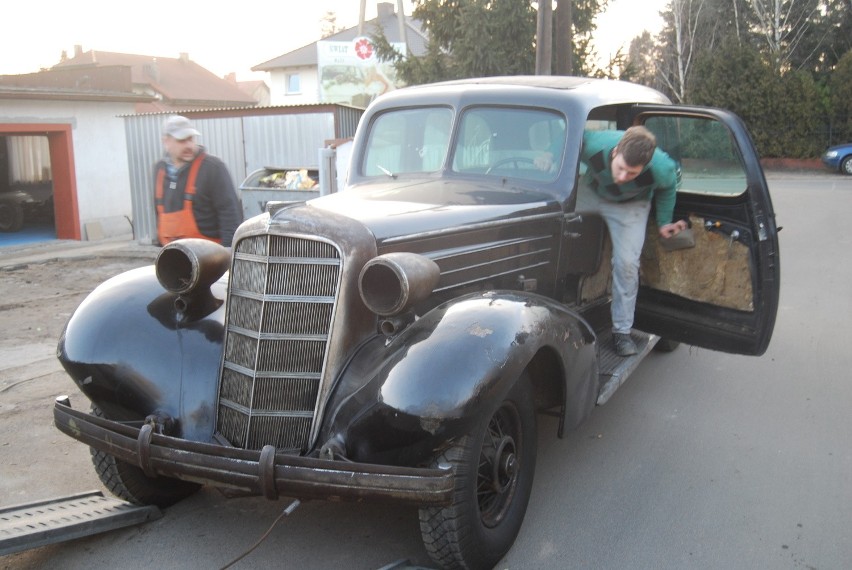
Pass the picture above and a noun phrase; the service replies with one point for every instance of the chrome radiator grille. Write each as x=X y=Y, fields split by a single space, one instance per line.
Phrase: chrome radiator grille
x=281 y=302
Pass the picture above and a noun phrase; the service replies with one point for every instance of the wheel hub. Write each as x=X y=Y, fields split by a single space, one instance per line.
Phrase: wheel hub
x=505 y=466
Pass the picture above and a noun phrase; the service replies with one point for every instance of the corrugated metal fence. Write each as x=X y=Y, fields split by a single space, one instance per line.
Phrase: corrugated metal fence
x=245 y=140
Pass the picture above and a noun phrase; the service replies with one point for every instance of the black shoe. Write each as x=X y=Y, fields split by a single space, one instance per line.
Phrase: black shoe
x=624 y=345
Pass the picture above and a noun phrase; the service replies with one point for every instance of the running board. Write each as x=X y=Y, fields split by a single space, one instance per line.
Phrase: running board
x=614 y=369
x=65 y=518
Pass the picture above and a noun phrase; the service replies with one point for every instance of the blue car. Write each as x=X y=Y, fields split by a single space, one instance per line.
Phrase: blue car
x=839 y=158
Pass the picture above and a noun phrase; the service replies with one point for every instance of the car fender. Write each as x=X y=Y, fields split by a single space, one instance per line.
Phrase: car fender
x=402 y=397
x=133 y=353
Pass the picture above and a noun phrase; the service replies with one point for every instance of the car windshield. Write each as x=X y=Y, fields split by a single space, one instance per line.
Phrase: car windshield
x=490 y=141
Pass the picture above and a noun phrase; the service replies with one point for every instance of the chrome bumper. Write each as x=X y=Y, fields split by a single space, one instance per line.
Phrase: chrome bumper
x=263 y=472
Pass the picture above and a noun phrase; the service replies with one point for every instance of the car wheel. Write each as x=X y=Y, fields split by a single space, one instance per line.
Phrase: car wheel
x=666 y=345
x=846 y=165
x=494 y=467
x=130 y=483
x=11 y=217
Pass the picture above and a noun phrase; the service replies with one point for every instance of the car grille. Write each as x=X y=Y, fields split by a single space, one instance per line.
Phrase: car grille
x=282 y=295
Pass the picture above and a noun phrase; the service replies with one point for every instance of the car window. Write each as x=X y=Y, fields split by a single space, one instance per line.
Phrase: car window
x=510 y=142
x=408 y=140
x=705 y=151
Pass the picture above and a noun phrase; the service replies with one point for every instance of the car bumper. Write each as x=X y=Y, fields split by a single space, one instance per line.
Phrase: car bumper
x=263 y=472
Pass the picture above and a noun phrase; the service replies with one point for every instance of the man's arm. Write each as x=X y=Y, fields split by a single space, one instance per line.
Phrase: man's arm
x=227 y=205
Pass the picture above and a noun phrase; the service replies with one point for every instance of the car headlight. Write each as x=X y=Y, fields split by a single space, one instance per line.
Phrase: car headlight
x=831 y=154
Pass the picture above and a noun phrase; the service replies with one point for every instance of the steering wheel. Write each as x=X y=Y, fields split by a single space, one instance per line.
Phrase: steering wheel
x=513 y=159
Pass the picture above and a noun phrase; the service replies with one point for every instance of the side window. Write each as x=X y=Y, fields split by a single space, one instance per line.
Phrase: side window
x=705 y=151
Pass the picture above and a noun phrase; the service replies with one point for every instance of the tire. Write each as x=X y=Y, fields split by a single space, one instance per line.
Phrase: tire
x=484 y=519
x=666 y=345
x=129 y=482
x=11 y=217
x=846 y=165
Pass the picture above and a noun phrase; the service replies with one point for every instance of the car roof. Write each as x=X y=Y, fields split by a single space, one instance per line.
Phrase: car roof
x=592 y=91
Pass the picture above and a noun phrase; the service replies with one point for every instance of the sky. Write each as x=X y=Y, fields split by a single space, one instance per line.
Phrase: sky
x=222 y=40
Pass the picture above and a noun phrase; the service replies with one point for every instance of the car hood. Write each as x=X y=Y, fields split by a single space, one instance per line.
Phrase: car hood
x=395 y=209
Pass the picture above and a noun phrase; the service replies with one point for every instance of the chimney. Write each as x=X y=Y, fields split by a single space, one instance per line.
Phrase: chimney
x=78 y=50
x=231 y=78
x=184 y=57
x=384 y=9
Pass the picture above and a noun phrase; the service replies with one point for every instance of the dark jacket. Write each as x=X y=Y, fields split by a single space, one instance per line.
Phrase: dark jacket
x=216 y=207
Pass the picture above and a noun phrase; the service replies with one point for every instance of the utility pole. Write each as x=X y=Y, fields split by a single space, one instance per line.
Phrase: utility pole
x=544 y=38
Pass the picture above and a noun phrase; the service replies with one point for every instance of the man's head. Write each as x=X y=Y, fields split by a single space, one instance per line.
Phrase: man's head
x=179 y=139
x=632 y=153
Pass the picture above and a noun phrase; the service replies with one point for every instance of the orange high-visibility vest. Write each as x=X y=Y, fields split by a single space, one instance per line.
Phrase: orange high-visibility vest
x=180 y=223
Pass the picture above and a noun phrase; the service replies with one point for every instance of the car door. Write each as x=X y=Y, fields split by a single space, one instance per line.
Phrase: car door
x=721 y=294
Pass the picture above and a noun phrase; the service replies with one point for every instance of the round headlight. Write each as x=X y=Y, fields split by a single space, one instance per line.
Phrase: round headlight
x=390 y=284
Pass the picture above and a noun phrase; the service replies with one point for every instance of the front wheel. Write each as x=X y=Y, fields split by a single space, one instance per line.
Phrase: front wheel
x=130 y=483
x=494 y=468
x=846 y=165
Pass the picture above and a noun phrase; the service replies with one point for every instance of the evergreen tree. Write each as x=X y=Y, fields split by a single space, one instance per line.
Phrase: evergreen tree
x=478 y=38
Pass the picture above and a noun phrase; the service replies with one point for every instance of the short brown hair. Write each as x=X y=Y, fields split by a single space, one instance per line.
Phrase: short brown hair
x=637 y=146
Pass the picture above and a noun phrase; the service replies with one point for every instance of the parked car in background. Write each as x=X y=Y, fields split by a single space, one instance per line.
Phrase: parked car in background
x=395 y=341
x=839 y=158
x=25 y=202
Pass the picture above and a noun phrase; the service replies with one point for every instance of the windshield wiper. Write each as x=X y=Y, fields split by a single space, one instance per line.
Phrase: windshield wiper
x=386 y=171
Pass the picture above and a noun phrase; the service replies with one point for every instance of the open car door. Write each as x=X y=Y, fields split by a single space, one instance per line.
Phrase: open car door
x=721 y=294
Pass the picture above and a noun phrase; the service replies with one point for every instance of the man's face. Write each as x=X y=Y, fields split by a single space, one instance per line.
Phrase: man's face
x=180 y=151
x=623 y=172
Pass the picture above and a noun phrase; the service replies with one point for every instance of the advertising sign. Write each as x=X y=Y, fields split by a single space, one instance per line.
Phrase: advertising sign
x=351 y=74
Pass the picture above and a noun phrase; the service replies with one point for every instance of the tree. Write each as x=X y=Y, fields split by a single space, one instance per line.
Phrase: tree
x=477 y=38
x=328 y=25
x=783 y=24
x=641 y=62
x=840 y=101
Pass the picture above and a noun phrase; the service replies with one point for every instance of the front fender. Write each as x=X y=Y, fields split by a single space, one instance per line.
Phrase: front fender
x=132 y=353
x=398 y=402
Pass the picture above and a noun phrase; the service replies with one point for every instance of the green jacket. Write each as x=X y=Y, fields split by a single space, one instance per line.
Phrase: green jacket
x=657 y=180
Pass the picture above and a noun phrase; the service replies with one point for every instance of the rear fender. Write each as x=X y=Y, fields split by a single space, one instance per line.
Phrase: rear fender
x=400 y=399
x=132 y=353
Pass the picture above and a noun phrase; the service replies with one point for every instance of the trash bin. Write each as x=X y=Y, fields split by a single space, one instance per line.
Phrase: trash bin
x=274 y=184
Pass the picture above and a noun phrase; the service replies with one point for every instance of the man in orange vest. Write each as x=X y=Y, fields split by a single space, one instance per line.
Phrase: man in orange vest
x=193 y=191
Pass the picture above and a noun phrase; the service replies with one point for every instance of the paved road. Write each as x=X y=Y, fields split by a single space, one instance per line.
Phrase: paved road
x=702 y=460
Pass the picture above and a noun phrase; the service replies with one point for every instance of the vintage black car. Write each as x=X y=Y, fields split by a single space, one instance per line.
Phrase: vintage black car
x=396 y=340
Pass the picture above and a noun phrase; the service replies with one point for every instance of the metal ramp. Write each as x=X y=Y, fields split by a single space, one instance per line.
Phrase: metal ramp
x=56 y=520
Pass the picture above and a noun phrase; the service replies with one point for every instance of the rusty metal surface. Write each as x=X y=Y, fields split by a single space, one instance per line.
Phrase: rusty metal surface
x=255 y=472
x=65 y=518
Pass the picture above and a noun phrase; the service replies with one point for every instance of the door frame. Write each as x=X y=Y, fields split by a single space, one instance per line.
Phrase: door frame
x=66 y=211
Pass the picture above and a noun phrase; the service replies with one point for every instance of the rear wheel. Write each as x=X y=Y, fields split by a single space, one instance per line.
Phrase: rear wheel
x=130 y=483
x=494 y=466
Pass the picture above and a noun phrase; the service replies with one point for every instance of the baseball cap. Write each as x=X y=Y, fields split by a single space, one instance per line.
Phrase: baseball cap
x=179 y=127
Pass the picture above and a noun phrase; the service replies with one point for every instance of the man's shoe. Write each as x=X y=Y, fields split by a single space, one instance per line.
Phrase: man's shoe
x=624 y=345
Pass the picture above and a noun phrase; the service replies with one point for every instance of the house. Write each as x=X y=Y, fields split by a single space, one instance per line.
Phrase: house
x=342 y=68
x=174 y=84
x=257 y=90
x=63 y=129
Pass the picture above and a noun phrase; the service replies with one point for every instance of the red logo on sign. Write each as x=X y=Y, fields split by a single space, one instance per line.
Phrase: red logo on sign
x=364 y=49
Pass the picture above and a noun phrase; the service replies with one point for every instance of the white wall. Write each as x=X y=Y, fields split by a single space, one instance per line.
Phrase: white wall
x=100 y=156
x=309 y=85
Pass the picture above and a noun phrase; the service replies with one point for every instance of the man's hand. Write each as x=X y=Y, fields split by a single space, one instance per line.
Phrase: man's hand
x=544 y=162
x=673 y=229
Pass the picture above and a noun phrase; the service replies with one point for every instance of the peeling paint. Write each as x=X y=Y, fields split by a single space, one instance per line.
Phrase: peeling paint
x=482 y=332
